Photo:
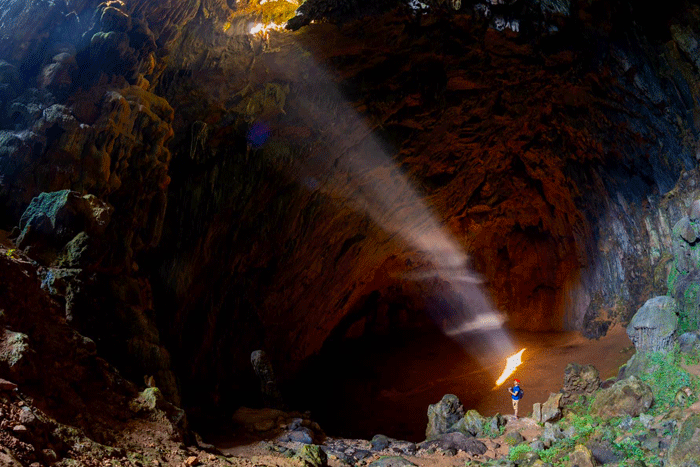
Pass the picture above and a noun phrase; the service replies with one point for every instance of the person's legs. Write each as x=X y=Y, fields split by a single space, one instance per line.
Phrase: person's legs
x=515 y=407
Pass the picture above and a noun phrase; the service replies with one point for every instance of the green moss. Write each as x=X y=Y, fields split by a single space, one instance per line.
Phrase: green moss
x=666 y=377
x=515 y=453
x=688 y=319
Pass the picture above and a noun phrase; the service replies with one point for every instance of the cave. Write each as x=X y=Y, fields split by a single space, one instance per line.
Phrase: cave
x=340 y=184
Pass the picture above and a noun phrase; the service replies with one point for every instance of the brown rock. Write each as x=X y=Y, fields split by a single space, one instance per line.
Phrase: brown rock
x=6 y=385
x=192 y=460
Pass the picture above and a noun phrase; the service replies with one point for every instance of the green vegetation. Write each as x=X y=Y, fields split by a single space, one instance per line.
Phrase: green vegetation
x=666 y=377
x=515 y=452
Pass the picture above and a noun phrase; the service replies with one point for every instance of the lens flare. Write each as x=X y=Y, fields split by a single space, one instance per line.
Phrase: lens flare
x=512 y=363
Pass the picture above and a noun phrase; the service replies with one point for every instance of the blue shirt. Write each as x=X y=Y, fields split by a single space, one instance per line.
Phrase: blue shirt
x=518 y=393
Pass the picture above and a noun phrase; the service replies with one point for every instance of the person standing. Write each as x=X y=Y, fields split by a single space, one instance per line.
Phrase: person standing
x=516 y=393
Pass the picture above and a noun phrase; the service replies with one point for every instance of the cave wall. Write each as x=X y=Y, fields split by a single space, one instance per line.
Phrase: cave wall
x=558 y=156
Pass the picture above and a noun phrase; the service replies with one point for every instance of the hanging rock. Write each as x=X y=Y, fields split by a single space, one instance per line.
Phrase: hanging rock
x=653 y=327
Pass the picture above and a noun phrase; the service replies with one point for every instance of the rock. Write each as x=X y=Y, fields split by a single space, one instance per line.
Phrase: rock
x=694 y=211
x=268 y=382
x=191 y=460
x=443 y=415
x=15 y=354
x=579 y=380
x=526 y=458
x=685 y=444
x=537 y=445
x=685 y=229
x=456 y=441
x=392 y=461
x=629 y=397
x=581 y=457
x=6 y=385
x=19 y=430
x=301 y=435
x=7 y=460
x=604 y=453
x=551 y=410
x=537 y=412
x=552 y=433
x=682 y=397
x=472 y=422
x=361 y=454
x=653 y=327
x=403 y=447
x=312 y=455
x=27 y=417
x=379 y=442
x=52 y=220
x=513 y=438
x=494 y=424
x=688 y=342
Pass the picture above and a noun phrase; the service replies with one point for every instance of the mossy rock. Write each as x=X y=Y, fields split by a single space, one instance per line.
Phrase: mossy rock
x=685 y=445
x=312 y=455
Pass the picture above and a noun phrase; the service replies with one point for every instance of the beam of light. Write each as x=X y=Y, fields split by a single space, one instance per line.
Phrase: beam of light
x=355 y=168
x=512 y=363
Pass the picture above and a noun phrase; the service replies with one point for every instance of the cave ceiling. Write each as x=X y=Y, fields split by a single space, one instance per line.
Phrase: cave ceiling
x=272 y=187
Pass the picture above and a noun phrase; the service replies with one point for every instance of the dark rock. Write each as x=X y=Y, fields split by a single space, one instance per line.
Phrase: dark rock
x=443 y=415
x=457 y=441
x=604 y=453
x=653 y=327
x=6 y=385
x=361 y=454
x=54 y=219
x=268 y=382
x=379 y=442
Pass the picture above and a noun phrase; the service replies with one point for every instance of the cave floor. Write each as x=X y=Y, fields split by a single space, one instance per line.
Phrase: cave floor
x=386 y=388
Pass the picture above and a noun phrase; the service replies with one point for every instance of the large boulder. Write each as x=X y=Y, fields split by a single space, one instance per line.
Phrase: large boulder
x=443 y=415
x=629 y=396
x=581 y=457
x=579 y=380
x=685 y=445
x=551 y=410
x=62 y=220
x=653 y=327
x=473 y=423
